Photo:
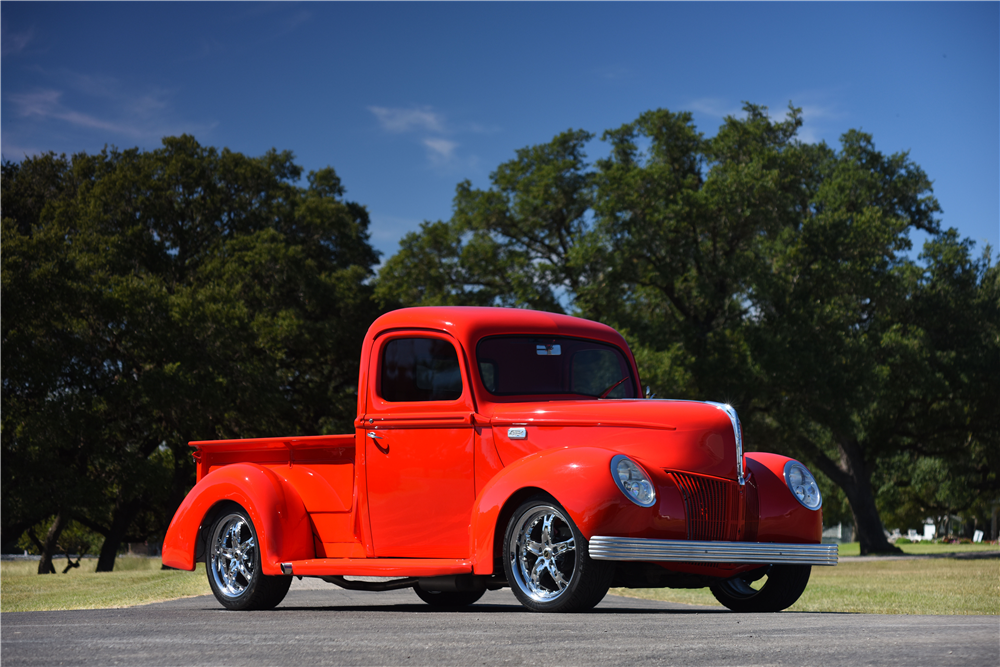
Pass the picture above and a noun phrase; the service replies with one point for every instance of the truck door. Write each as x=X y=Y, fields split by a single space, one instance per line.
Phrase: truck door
x=419 y=455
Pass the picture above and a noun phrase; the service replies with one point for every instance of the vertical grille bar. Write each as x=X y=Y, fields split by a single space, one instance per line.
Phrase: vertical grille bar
x=752 y=511
x=713 y=508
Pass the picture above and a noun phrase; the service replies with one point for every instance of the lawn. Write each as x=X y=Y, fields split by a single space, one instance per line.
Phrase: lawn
x=134 y=581
x=873 y=585
x=923 y=548
x=883 y=586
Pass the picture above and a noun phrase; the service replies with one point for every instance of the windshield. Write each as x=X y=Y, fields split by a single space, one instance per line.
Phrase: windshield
x=533 y=365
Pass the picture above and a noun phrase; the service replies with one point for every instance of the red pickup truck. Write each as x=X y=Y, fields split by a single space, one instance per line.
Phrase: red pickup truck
x=498 y=447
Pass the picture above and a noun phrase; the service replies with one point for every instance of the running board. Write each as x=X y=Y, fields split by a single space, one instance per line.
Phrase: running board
x=377 y=567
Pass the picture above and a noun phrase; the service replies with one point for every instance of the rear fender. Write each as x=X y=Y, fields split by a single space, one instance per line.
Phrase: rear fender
x=578 y=478
x=782 y=516
x=278 y=514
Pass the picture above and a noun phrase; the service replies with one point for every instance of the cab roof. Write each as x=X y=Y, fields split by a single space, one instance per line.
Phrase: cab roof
x=468 y=324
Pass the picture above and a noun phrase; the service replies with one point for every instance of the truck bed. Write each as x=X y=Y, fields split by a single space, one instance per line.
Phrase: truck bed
x=320 y=468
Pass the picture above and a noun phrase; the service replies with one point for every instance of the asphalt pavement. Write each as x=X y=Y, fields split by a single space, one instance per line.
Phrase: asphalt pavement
x=320 y=624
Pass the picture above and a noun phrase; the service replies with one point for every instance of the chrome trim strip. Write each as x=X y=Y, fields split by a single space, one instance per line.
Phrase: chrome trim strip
x=641 y=549
x=738 y=432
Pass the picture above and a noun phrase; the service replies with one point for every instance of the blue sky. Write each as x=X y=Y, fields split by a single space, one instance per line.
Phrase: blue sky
x=405 y=100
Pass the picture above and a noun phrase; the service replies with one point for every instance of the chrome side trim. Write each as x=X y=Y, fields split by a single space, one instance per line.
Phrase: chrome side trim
x=738 y=432
x=642 y=549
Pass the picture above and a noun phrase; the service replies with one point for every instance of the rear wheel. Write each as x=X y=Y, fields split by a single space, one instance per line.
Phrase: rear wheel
x=770 y=588
x=233 y=565
x=448 y=599
x=546 y=560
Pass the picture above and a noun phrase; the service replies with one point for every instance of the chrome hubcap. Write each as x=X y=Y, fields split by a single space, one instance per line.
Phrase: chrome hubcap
x=542 y=553
x=233 y=556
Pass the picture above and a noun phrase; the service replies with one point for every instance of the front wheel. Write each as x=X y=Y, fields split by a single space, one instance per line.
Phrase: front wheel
x=546 y=560
x=770 y=588
x=233 y=564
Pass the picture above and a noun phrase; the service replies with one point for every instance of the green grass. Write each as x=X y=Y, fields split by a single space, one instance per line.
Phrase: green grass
x=920 y=548
x=872 y=586
x=135 y=581
x=926 y=586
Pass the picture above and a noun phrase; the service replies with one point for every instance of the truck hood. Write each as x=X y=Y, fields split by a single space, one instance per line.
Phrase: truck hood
x=665 y=434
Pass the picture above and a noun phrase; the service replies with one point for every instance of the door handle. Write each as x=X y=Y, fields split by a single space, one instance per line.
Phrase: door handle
x=376 y=437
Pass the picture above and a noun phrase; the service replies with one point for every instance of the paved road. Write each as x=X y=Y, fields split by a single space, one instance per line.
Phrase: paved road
x=331 y=626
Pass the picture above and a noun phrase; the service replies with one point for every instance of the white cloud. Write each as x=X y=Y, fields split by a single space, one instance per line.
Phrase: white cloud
x=136 y=116
x=430 y=129
x=613 y=73
x=16 y=152
x=818 y=117
x=714 y=106
x=406 y=120
x=442 y=150
x=13 y=42
x=46 y=104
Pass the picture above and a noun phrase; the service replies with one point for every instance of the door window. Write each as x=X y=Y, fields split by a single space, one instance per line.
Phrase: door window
x=420 y=369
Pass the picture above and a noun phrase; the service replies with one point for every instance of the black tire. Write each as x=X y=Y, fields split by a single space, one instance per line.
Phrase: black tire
x=448 y=599
x=784 y=585
x=546 y=560
x=232 y=561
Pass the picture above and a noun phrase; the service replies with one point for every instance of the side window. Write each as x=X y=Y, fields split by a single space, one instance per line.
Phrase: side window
x=420 y=369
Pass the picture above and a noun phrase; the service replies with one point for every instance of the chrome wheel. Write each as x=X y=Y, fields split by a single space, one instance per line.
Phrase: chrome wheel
x=233 y=562
x=543 y=553
x=546 y=560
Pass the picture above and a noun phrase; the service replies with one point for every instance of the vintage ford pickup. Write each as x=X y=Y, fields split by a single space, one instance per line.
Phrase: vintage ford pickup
x=499 y=447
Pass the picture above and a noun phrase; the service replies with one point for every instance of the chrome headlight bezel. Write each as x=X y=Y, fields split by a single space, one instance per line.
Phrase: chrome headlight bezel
x=802 y=485
x=638 y=485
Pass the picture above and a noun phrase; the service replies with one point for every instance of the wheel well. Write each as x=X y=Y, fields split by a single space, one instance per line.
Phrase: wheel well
x=207 y=521
x=511 y=504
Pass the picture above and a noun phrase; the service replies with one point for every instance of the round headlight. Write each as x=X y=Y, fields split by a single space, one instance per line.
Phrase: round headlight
x=633 y=481
x=803 y=485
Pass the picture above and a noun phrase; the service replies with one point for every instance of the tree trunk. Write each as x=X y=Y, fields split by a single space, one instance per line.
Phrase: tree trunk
x=120 y=522
x=51 y=539
x=853 y=476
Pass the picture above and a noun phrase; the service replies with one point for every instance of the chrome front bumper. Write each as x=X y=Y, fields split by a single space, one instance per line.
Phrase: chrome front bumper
x=634 y=548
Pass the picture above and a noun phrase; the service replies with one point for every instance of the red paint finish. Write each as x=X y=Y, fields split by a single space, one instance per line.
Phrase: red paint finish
x=420 y=470
x=782 y=517
x=275 y=508
x=422 y=486
x=381 y=567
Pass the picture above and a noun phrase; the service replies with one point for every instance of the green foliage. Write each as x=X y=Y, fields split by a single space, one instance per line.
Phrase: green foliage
x=509 y=245
x=153 y=298
x=754 y=269
x=74 y=539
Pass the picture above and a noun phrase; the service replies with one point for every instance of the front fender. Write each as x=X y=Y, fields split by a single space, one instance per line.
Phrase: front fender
x=782 y=517
x=579 y=478
x=278 y=514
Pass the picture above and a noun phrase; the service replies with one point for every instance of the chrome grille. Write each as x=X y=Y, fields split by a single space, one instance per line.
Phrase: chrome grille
x=712 y=506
